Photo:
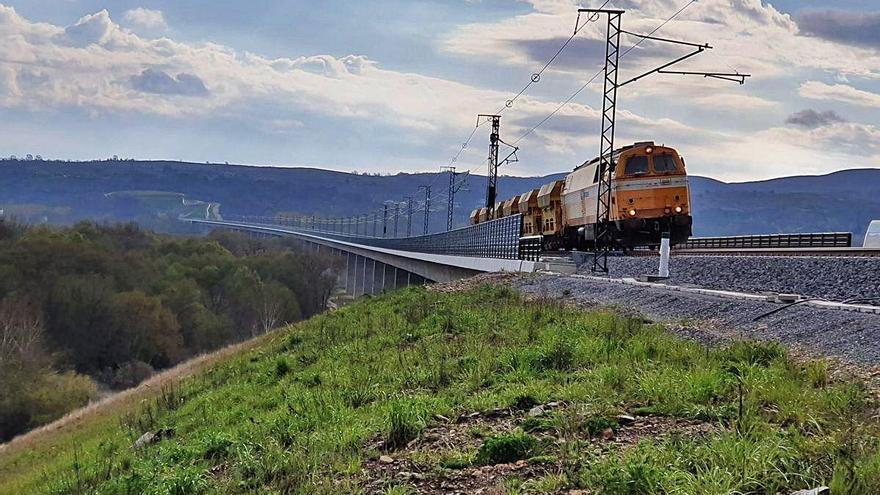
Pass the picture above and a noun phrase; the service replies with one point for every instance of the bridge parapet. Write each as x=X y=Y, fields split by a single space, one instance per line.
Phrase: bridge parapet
x=496 y=239
x=425 y=256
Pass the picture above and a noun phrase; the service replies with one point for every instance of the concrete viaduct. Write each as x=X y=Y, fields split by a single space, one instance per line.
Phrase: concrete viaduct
x=372 y=269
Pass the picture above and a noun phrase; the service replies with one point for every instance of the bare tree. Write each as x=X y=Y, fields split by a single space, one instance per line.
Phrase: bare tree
x=271 y=306
x=21 y=333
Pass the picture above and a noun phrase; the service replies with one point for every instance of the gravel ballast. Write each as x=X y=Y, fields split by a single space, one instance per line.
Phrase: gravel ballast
x=711 y=319
x=832 y=278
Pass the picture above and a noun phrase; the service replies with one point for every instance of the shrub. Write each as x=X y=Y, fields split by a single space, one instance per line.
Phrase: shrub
x=130 y=374
x=56 y=394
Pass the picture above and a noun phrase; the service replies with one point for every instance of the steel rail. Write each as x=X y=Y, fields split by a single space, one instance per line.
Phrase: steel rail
x=816 y=251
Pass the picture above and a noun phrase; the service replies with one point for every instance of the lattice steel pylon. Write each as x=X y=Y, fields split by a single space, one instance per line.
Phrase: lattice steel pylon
x=396 y=216
x=427 y=206
x=409 y=214
x=450 y=196
x=494 y=139
x=454 y=187
x=604 y=236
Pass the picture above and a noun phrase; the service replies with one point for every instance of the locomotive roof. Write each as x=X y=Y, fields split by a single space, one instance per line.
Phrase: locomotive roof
x=617 y=153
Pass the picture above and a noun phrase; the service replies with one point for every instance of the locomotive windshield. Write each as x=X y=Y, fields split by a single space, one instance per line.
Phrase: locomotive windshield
x=636 y=165
x=664 y=163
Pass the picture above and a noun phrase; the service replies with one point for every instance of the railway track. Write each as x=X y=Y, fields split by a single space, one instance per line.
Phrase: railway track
x=815 y=251
x=852 y=252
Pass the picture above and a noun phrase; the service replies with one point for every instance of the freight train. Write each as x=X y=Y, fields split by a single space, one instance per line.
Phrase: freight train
x=649 y=196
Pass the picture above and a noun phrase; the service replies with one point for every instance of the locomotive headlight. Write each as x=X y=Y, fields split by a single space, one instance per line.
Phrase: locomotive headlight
x=678 y=209
x=632 y=213
x=649 y=150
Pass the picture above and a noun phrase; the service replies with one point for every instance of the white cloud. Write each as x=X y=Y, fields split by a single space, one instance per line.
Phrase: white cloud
x=782 y=151
x=746 y=34
x=839 y=92
x=99 y=67
x=148 y=20
x=89 y=30
x=96 y=66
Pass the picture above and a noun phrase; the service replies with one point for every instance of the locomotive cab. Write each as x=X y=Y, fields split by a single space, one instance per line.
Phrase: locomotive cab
x=650 y=195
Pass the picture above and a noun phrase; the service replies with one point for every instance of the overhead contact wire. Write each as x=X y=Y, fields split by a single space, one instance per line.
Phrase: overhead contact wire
x=597 y=74
x=536 y=76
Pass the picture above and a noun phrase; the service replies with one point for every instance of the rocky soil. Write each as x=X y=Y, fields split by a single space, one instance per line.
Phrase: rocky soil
x=711 y=320
x=416 y=466
x=832 y=278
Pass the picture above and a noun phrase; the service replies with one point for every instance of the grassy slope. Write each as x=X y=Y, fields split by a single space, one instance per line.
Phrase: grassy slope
x=299 y=410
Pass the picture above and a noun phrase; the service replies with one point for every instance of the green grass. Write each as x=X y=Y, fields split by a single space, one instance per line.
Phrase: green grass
x=304 y=408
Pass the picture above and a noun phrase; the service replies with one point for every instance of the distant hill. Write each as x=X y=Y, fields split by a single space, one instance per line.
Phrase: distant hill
x=844 y=201
x=63 y=192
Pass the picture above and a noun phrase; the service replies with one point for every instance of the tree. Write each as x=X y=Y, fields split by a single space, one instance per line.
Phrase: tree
x=200 y=328
x=277 y=305
x=30 y=392
x=21 y=334
x=79 y=317
x=145 y=330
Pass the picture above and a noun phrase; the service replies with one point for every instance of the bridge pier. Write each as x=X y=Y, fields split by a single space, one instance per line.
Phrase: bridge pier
x=362 y=275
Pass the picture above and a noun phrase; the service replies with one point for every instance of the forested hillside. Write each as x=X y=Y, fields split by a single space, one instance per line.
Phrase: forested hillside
x=104 y=306
x=155 y=193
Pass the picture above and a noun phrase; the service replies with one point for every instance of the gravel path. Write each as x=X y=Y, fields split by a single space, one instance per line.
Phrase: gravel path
x=854 y=337
x=833 y=278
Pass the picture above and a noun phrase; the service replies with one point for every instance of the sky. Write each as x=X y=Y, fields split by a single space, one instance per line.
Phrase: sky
x=396 y=85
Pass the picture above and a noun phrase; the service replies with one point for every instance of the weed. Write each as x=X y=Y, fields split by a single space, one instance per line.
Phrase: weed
x=507 y=448
x=216 y=445
x=282 y=367
x=524 y=402
x=817 y=373
x=456 y=460
x=594 y=426
x=406 y=421
x=359 y=396
x=557 y=355
x=536 y=425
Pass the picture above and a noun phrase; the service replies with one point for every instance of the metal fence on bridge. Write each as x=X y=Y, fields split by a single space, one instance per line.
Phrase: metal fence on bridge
x=499 y=238
x=772 y=241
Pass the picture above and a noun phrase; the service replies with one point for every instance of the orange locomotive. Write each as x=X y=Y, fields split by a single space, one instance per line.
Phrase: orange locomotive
x=649 y=196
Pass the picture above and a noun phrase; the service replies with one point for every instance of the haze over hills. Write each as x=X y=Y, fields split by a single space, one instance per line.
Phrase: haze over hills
x=63 y=192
